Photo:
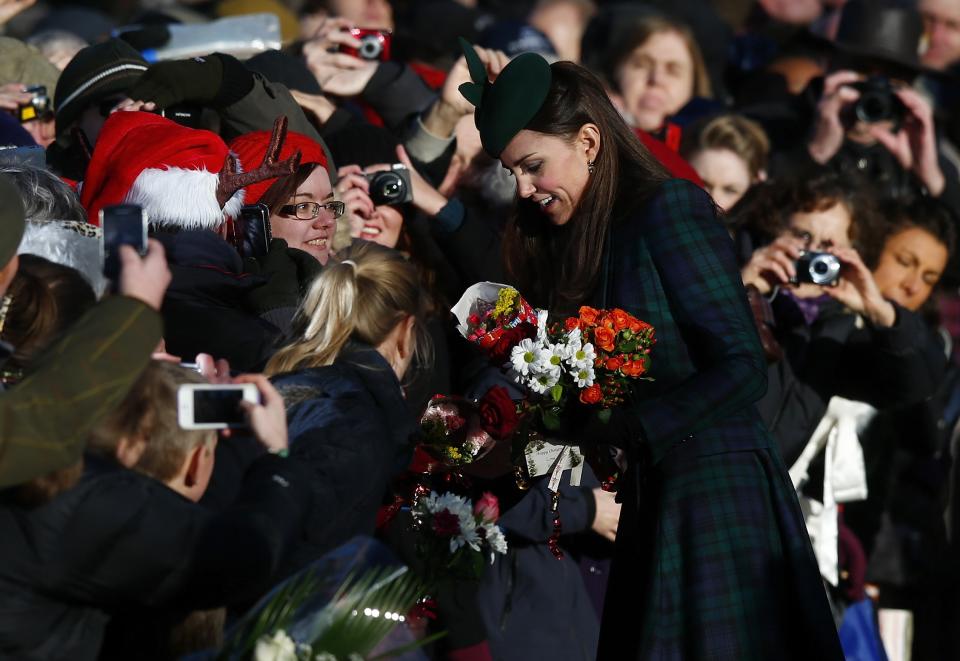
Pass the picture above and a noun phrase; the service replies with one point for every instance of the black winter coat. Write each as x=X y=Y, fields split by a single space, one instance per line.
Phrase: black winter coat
x=350 y=426
x=121 y=541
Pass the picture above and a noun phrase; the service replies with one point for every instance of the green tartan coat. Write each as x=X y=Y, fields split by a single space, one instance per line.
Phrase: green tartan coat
x=712 y=558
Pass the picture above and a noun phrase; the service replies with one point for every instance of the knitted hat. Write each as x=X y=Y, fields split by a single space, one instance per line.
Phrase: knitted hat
x=20 y=63
x=507 y=105
x=251 y=147
x=168 y=169
x=11 y=220
x=94 y=74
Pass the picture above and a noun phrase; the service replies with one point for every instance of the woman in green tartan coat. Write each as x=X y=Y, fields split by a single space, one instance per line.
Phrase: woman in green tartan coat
x=712 y=560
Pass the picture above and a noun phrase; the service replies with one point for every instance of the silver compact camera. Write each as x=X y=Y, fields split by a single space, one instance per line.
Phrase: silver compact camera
x=818 y=268
x=391 y=187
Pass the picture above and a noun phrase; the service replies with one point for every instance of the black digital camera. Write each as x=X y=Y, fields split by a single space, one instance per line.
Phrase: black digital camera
x=391 y=187
x=818 y=268
x=878 y=102
x=39 y=107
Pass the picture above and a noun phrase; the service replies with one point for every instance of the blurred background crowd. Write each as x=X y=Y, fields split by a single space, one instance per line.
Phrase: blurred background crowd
x=826 y=130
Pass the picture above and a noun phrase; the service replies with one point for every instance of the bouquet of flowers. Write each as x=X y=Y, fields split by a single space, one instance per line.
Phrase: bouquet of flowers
x=458 y=431
x=463 y=533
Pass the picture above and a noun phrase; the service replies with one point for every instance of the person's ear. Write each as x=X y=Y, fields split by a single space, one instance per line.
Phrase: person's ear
x=588 y=139
x=405 y=341
x=761 y=176
x=194 y=466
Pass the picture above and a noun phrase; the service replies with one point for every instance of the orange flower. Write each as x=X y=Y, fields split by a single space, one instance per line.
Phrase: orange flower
x=637 y=326
x=633 y=368
x=620 y=319
x=613 y=364
x=589 y=315
x=571 y=323
x=603 y=337
x=591 y=395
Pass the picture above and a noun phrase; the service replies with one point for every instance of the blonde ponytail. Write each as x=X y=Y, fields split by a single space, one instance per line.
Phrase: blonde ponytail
x=362 y=297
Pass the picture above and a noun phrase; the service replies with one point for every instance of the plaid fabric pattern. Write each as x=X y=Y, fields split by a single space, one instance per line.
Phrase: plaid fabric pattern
x=713 y=560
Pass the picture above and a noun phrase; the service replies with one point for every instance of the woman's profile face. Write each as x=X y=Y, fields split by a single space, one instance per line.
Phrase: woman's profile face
x=725 y=175
x=910 y=266
x=549 y=170
x=656 y=80
x=310 y=235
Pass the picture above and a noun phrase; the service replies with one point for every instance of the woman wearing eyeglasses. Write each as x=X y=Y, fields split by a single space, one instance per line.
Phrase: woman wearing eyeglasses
x=302 y=209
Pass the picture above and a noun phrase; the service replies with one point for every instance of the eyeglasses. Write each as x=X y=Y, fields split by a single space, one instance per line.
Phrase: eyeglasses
x=310 y=210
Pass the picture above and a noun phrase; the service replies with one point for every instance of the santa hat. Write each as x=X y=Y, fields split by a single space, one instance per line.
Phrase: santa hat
x=251 y=148
x=168 y=169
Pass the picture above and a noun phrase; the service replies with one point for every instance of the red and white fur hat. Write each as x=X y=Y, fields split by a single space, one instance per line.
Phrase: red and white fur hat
x=170 y=170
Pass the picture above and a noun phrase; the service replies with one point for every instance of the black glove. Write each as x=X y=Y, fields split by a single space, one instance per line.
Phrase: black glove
x=308 y=268
x=215 y=80
x=283 y=288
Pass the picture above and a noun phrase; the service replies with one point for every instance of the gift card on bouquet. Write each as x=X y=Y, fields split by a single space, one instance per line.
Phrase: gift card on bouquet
x=545 y=458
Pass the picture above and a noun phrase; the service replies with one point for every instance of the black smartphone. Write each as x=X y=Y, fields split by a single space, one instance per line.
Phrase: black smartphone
x=121 y=224
x=254 y=231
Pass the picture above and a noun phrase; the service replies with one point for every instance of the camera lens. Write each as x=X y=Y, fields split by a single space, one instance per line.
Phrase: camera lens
x=370 y=47
x=874 y=107
x=387 y=188
x=824 y=269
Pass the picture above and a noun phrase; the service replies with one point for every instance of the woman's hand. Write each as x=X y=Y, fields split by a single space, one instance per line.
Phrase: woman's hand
x=338 y=73
x=317 y=104
x=12 y=96
x=829 y=132
x=425 y=197
x=858 y=290
x=268 y=419
x=772 y=265
x=915 y=146
x=353 y=189
x=442 y=118
x=607 y=518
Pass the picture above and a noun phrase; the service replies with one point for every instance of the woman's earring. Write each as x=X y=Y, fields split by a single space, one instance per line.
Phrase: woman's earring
x=590 y=167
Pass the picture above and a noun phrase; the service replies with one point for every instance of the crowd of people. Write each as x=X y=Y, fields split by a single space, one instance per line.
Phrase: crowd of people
x=773 y=185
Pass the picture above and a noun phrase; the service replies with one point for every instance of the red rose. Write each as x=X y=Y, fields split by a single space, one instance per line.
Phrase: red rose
x=571 y=323
x=510 y=337
x=591 y=395
x=498 y=413
x=604 y=337
x=613 y=364
x=589 y=315
x=487 y=508
x=446 y=524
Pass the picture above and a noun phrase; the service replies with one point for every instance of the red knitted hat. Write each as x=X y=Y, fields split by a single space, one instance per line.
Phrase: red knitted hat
x=168 y=169
x=251 y=147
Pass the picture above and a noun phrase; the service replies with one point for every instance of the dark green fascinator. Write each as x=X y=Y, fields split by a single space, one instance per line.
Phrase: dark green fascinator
x=505 y=106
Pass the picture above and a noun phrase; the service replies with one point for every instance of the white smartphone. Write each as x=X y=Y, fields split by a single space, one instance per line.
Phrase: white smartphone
x=214 y=406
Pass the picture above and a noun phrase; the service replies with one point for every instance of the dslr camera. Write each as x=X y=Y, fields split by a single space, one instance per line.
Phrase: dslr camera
x=818 y=268
x=878 y=102
x=374 y=44
x=38 y=107
x=391 y=187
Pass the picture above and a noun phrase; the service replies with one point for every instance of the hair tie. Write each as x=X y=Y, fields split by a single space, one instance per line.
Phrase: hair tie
x=352 y=264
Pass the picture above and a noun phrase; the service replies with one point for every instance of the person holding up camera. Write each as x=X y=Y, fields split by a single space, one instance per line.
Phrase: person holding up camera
x=869 y=120
x=837 y=331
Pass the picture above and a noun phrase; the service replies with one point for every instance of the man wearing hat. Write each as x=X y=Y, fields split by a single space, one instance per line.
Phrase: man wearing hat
x=869 y=120
x=45 y=420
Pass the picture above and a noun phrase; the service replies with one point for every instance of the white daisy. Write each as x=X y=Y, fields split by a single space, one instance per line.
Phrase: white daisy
x=496 y=540
x=584 y=376
x=584 y=357
x=542 y=381
x=525 y=357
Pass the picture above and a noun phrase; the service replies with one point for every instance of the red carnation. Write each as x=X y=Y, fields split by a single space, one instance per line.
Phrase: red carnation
x=446 y=524
x=498 y=413
x=509 y=338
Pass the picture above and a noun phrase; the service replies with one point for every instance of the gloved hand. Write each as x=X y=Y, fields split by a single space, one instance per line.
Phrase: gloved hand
x=290 y=272
x=179 y=81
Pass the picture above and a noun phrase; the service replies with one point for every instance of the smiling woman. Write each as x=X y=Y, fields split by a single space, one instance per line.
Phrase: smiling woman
x=300 y=204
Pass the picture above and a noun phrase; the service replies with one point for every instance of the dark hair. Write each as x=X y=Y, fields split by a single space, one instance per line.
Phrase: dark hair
x=765 y=210
x=558 y=267
x=47 y=298
x=926 y=213
x=284 y=188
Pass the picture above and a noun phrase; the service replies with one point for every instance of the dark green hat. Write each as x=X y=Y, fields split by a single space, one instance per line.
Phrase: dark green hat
x=11 y=220
x=505 y=106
